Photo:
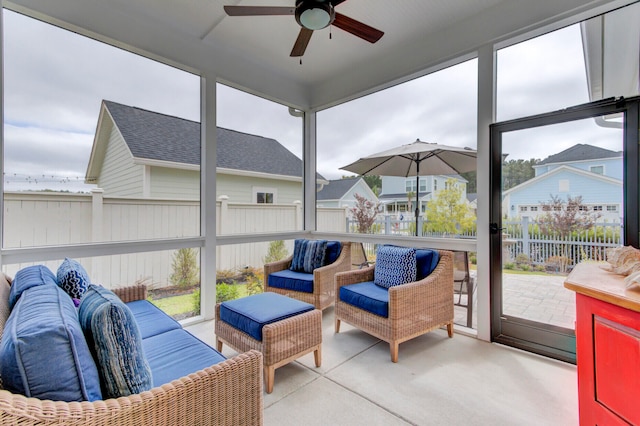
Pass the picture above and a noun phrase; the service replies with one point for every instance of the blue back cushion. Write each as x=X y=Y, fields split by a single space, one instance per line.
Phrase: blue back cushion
x=308 y=255
x=177 y=353
x=27 y=278
x=426 y=262
x=251 y=313
x=43 y=352
x=114 y=338
x=333 y=252
x=291 y=280
x=367 y=296
x=394 y=266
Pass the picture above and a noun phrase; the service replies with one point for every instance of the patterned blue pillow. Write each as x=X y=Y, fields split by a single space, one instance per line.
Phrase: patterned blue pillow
x=73 y=278
x=113 y=336
x=394 y=266
x=308 y=255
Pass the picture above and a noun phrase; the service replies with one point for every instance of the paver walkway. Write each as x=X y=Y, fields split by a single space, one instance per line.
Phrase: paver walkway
x=541 y=298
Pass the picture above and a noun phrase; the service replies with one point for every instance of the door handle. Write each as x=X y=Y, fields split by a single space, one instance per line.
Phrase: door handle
x=494 y=228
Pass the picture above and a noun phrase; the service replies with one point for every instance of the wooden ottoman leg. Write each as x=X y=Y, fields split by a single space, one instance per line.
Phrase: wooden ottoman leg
x=269 y=377
x=337 y=325
x=450 y=329
x=393 y=346
x=317 y=354
x=219 y=344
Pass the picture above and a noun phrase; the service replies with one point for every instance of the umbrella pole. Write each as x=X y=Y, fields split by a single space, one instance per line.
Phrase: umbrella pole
x=417 y=194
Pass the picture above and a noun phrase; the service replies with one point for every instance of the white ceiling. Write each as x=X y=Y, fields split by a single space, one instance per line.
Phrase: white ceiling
x=253 y=52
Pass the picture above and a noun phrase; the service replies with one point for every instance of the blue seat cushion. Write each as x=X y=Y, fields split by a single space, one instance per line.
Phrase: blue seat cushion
x=291 y=280
x=249 y=314
x=394 y=266
x=333 y=252
x=177 y=353
x=43 y=353
x=150 y=319
x=367 y=296
x=29 y=277
x=426 y=262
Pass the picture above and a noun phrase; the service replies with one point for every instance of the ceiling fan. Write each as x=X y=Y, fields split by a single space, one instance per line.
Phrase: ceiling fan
x=311 y=15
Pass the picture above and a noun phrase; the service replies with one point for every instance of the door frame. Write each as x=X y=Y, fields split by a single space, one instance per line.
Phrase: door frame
x=532 y=336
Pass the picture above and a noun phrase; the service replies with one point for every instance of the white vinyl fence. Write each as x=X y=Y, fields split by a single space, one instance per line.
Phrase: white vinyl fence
x=33 y=219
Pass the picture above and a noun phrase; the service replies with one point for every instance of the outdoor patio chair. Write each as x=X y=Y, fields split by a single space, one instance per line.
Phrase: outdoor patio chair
x=464 y=283
x=398 y=298
x=309 y=283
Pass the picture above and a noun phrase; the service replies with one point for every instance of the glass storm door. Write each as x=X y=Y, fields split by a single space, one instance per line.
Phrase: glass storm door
x=564 y=189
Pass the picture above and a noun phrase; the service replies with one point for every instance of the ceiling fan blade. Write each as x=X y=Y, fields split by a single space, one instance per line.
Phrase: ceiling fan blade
x=357 y=28
x=259 y=10
x=301 y=42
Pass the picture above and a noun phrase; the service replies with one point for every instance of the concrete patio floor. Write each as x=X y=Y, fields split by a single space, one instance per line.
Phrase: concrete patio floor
x=437 y=381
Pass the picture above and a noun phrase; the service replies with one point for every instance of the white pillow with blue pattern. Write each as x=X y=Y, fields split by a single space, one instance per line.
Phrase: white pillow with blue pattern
x=394 y=266
x=73 y=279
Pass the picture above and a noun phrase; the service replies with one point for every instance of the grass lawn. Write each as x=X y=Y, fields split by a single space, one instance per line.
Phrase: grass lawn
x=184 y=303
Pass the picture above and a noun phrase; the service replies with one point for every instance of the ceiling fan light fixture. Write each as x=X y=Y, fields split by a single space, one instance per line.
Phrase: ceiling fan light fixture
x=314 y=14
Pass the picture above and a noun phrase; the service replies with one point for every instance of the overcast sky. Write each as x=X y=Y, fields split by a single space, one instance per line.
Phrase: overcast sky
x=55 y=81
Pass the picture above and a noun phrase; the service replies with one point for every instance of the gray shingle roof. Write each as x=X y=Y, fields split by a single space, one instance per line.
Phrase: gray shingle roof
x=337 y=188
x=156 y=136
x=580 y=152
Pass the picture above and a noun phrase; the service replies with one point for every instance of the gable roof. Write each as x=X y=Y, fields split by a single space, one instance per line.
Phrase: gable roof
x=580 y=152
x=154 y=136
x=336 y=189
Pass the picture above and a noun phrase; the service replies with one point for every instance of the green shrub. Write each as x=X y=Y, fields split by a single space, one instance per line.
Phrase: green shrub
x=509 y=265
x=186 y=273
x=473 y=258
x=522 y=259
x=276 y=251
x=255 y=283
x=524 y=267
x=196 y=301
x=226 y=292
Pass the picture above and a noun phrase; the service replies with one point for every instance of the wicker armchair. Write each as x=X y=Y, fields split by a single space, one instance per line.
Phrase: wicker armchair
x=228 y=393
x=323 y=294
x=414 y=308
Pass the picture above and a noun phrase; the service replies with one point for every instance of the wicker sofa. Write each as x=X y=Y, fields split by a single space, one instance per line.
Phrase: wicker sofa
x=227 y=393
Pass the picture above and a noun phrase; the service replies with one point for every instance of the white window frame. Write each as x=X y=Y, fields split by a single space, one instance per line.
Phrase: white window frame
x=597 y=166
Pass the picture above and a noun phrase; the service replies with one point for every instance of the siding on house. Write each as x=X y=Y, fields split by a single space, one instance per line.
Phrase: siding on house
x=612 y=167
x=341 y=193
x=175 y=184
x=239 y=189
x=119 y=174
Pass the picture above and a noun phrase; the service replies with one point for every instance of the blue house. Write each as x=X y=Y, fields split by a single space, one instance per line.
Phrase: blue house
x=393 y=194
x=582 y=170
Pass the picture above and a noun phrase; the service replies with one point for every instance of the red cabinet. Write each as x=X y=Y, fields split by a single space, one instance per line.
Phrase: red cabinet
x=608 y=346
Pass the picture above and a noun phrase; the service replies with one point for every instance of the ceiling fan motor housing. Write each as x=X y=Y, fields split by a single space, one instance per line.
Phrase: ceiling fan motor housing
x=314 y=14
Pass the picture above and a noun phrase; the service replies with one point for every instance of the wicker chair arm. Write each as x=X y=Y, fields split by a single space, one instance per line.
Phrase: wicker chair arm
x=129 y=294
x=323 y=277
x=280 y=265
x=353 y=277
x=408 y=299
x=228 y=393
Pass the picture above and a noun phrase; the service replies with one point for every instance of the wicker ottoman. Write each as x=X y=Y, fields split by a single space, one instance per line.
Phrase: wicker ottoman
x=282 y=328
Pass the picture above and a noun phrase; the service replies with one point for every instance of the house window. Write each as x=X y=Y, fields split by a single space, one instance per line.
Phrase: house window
x=264 y=195
x=612 y=208
x=410 y=185
x=523 y=208
x=597 y=169
x=597 y=208
x=534 y=208
x=435 y=185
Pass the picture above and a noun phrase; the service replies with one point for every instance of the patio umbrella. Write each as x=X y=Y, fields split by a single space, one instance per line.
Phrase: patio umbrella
x=415 y=159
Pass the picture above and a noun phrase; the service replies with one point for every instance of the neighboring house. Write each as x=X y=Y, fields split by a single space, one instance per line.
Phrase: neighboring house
x=393 y=194
x=582 y=170
x=341 y=193
x=144 y=154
